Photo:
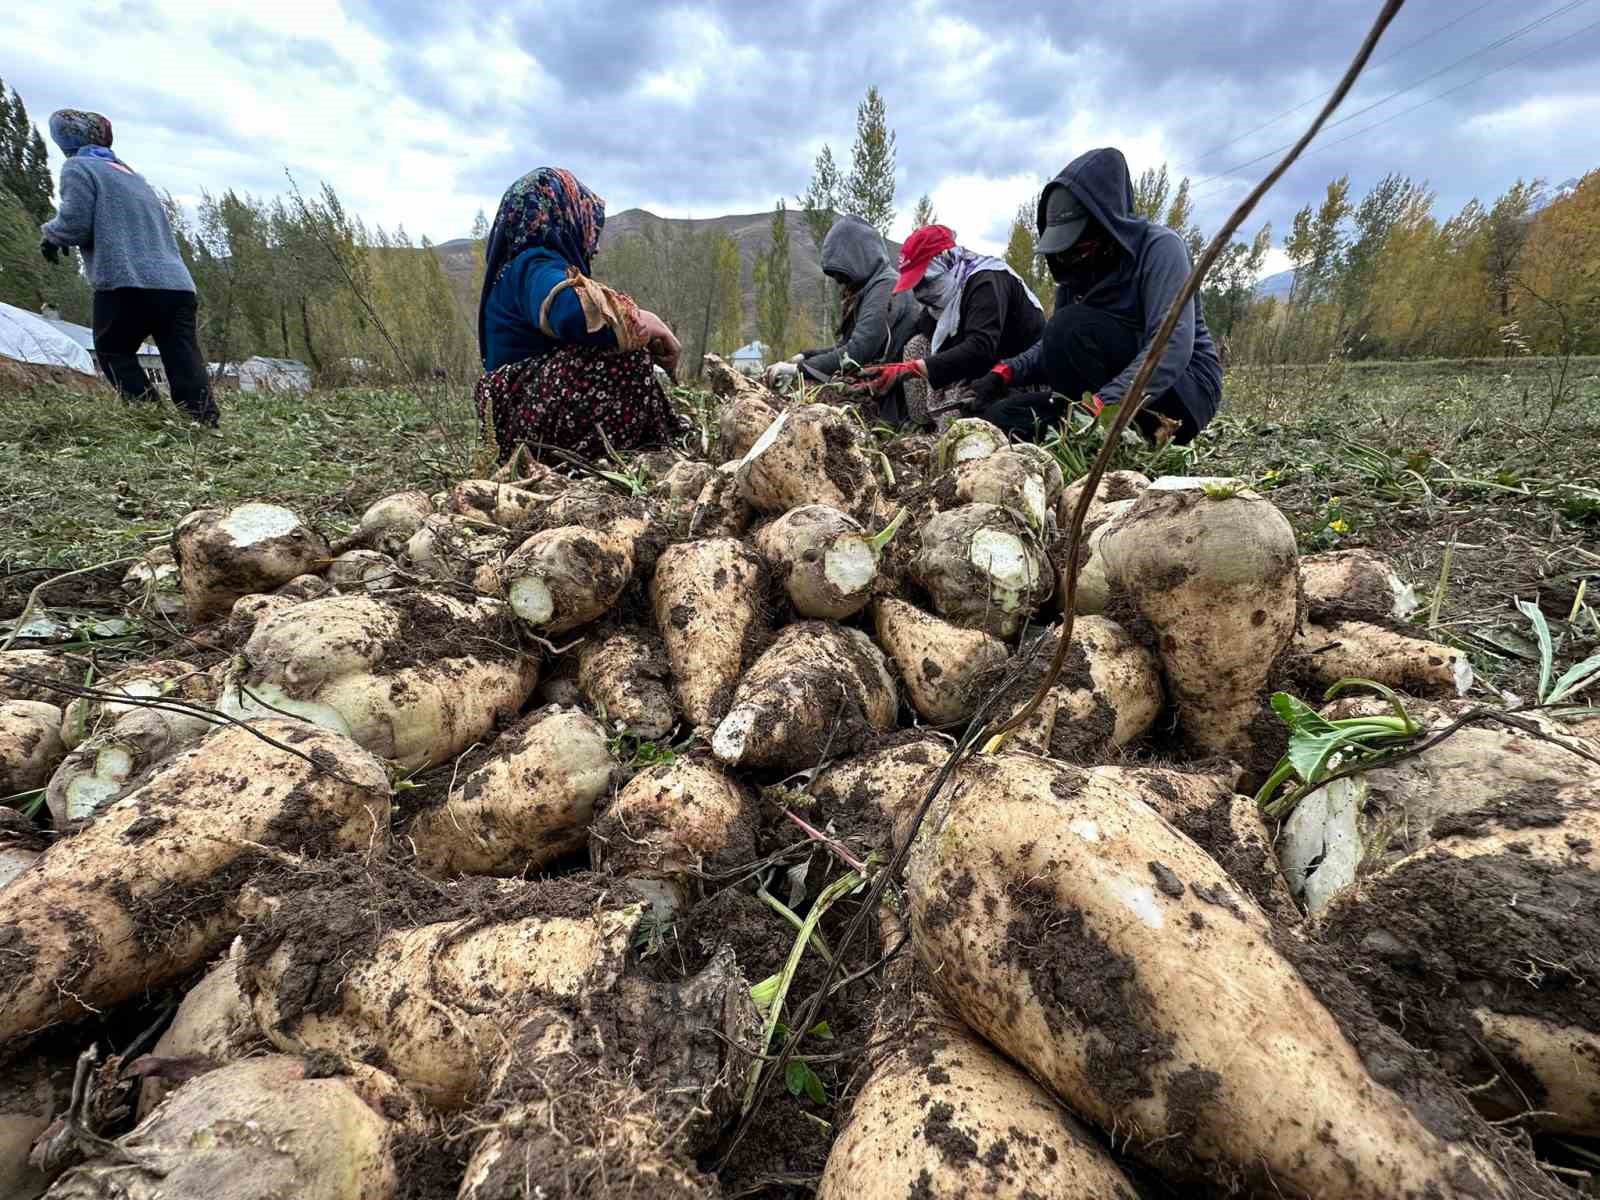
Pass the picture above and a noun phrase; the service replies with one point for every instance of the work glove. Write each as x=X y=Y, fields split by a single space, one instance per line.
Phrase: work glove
x=51 y=251
x=780 y=373
x=880 y=379
x=992 y=386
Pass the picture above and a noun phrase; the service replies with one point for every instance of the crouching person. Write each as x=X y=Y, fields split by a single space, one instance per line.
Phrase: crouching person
x=568 y=362
x=976 y=312
x=875 y=322
x=1117 y=275
x=141 y=287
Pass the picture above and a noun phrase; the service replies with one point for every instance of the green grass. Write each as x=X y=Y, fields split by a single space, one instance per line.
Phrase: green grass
x=89 y=478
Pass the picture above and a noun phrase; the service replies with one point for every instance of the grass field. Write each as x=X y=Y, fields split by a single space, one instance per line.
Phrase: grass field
x=1464 y=474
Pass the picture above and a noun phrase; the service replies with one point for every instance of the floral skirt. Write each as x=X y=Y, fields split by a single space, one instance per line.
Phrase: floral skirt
x=568 y=397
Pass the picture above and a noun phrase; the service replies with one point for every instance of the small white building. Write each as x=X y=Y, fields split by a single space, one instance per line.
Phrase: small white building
x=261 y=374
x=751 y=359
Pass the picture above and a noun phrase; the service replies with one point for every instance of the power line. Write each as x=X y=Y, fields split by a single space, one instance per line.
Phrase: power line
x=1321 y=95
x=1448 y=91
x=1494 y=45
x=1521 y=58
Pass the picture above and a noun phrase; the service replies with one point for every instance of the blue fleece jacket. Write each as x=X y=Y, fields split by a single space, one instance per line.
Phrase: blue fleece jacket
x=511 y=312
x=1149 y=273
x=111 y=214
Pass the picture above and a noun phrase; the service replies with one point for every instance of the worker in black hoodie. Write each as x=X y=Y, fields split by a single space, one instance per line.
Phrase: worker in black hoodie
x=1116 y=276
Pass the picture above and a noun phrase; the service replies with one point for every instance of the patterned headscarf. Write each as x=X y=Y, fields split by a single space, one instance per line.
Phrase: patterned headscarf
x=72 y=129
x=547 y=207
x=957 y=266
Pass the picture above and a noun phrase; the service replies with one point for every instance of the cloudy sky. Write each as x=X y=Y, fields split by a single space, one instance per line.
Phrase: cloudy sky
x=420 y=113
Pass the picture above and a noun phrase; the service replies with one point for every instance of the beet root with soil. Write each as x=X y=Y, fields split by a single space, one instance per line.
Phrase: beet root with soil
x=533 y=837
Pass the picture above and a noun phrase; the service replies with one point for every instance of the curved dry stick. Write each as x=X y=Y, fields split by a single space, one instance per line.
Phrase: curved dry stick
x=976 y=726
x=1134 y=398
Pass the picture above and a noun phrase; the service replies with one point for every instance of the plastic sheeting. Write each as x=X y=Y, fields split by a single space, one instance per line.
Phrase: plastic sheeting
x=28 y=337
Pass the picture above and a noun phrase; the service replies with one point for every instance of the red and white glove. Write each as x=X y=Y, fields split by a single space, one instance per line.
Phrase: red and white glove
x=881 y=378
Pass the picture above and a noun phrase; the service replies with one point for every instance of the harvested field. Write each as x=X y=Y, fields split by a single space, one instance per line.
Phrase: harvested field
x=544 y=850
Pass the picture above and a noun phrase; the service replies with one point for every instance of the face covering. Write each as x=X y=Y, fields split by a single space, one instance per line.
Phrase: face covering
x=1087 y=254
x=933 y=289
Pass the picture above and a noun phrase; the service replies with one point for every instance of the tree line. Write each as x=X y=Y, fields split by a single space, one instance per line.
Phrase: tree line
x=1379 y=276
x=291 y=277
x=301 y=277
x=1384 y=276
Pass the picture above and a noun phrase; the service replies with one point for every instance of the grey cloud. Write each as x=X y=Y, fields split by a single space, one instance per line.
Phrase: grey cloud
x=263 y=48
x=1202 y=72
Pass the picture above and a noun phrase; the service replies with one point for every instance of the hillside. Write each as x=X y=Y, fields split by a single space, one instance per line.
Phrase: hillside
x=1276 y=286
x=752 y=232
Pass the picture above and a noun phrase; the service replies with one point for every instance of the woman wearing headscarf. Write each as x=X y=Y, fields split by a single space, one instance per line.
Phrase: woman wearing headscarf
x=874 y=323
x=141 y=287
x=568 y=362
x=1117 y=274
x=977 y=311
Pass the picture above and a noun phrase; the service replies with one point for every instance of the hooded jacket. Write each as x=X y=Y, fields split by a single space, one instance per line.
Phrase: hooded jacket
x=855 y=251
x=1148 y=275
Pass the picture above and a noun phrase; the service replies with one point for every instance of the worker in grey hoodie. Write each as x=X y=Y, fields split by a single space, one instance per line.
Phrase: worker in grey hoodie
x=141 y=287
x=1117 y=274
x=874 y=325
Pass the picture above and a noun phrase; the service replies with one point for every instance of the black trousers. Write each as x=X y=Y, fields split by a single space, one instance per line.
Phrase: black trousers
x=1084 y=349
x=125 y=317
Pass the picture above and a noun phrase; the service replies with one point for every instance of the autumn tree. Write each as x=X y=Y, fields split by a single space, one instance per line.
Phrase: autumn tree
x=1180 y=219
x=1231 y=283
x=1022 y=256
x=1556 y=280
x=1150 y=191
x=1316 y=244
x=1505 y=234
x=730 y=297
x=1154 y=199
x=1371 y=221
x=868 y=190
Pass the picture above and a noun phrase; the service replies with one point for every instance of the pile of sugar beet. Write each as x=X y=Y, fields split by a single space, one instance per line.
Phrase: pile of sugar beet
x=482 y=854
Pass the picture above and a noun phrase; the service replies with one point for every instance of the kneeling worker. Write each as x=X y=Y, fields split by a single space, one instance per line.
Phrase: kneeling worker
x=875 y=322
x=976 y=311
x=1116 y=275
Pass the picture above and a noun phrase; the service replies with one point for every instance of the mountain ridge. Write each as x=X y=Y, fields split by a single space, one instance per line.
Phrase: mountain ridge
x=751 y=233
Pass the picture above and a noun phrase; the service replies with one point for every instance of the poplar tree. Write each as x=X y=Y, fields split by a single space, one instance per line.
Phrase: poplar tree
x=819 y=206
x=730 y=299
x=923 y=214
x=869 y=190
x=772 y=286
